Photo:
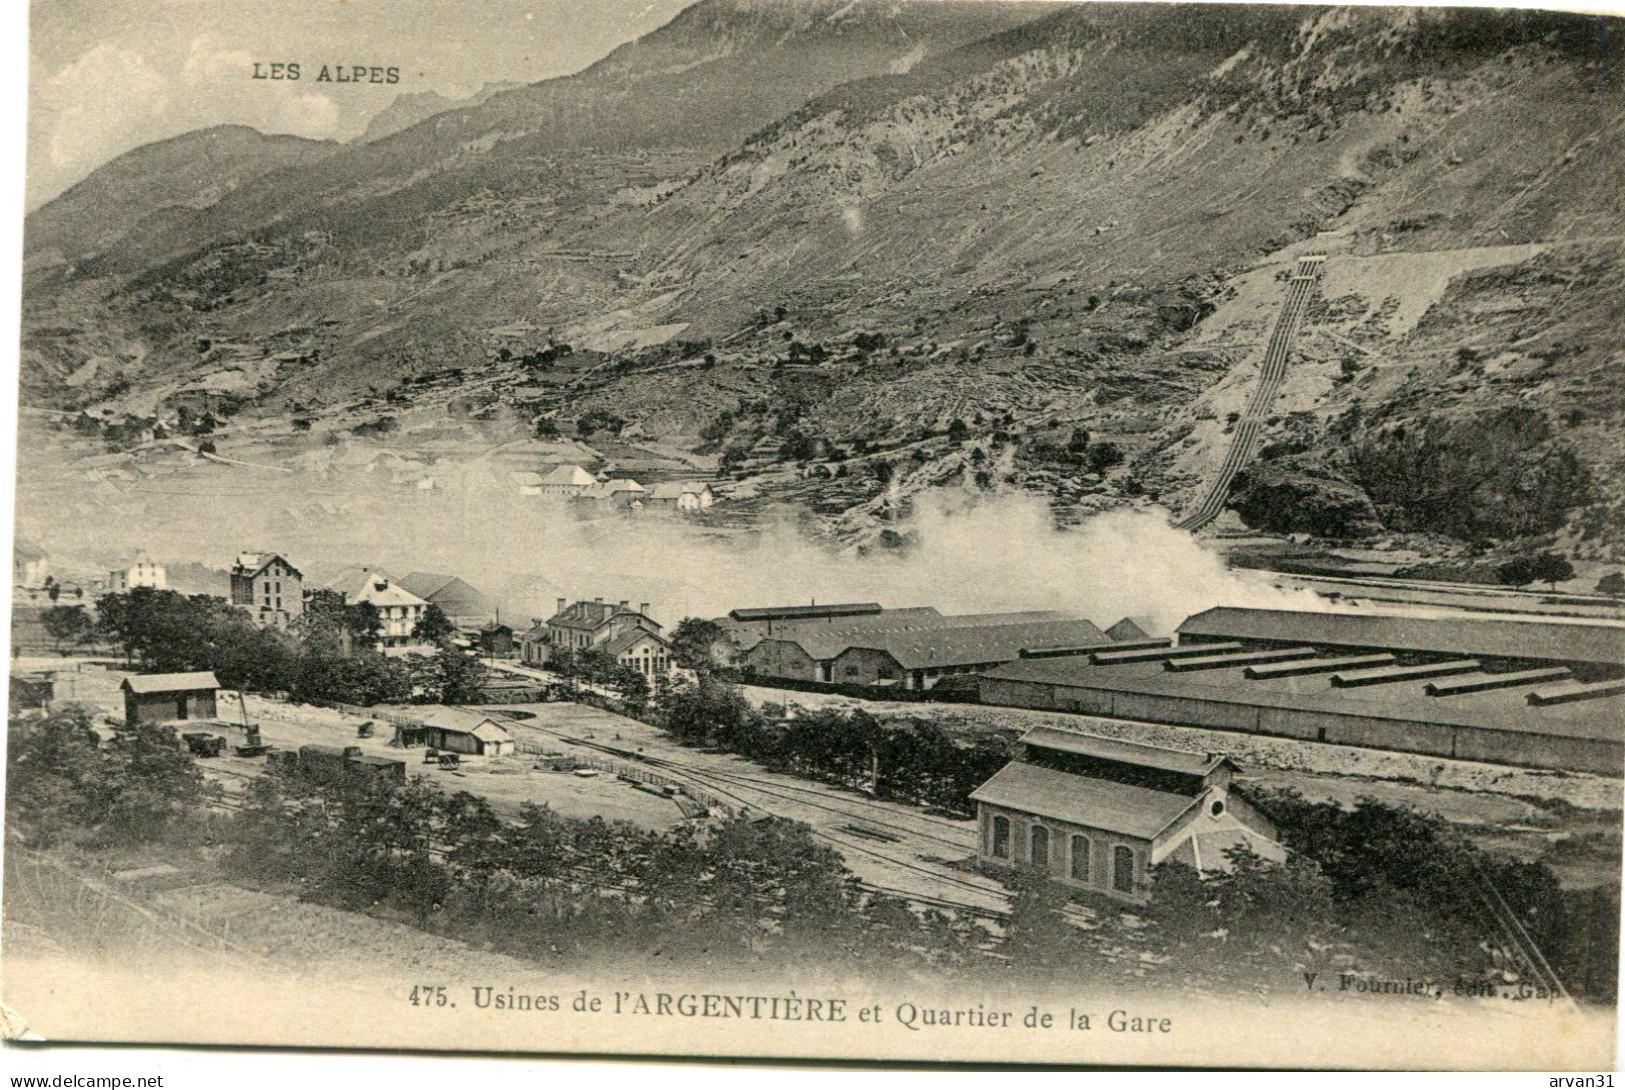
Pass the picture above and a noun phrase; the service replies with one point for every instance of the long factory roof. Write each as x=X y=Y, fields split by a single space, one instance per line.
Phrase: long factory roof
x=1489 y=637
x=1495 y=709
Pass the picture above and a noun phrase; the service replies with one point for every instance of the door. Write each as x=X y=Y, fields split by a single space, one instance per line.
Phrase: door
x=180 y=706
x=1040 y=845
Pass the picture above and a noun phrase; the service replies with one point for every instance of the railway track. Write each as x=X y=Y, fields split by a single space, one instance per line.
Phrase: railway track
x=1244 y=440
x=749 y=795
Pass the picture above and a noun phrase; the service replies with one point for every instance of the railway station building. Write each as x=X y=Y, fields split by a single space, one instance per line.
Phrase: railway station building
x=1097 y=813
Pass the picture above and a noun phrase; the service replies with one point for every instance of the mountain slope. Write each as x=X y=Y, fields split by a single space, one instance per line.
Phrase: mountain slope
x=1070 y=219
x=413 y=107
x=164 y=181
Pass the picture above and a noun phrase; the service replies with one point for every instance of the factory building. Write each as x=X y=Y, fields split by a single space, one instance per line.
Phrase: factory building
x=1097 y=813
x=907 y=648
x=1527 y=693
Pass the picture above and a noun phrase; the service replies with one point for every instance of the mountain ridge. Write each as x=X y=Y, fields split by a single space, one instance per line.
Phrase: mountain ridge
x=1026 y=227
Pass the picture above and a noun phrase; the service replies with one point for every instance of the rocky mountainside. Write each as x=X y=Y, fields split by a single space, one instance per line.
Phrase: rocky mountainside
x=411 y=107
x=968 y=244
x=141 y=190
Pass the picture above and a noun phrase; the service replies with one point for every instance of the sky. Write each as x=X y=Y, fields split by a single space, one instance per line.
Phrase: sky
x=106 y=76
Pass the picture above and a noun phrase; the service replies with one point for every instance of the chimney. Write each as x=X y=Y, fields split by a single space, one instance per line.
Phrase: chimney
x=643 y=608
x=625 y=603
x=598 y=601
x=562 y=602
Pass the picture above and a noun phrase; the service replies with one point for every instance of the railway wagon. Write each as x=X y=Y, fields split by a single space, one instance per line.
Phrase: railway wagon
x=336 y=764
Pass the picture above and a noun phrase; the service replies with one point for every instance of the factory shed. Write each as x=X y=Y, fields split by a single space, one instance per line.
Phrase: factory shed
x=1466 y=712
x=1577 y=644
x=805 y=613
x=917 y=659
x=1097 y=813
x=169 y=698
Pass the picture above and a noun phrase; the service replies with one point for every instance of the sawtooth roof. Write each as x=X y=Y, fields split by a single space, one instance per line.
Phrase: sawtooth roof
x=1553 y=641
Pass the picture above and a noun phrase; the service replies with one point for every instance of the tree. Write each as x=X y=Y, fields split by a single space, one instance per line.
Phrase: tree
x=449 y=677
x=67 y=624
x=1546 y=568
x=1551 y=569
x=434 y=626
x=701 y=645
x=958 y=431
x=1103 y=456
x=365 y=626
x=1612 y=584
x=710 y=709
x=1079 y=440
x=632 y=687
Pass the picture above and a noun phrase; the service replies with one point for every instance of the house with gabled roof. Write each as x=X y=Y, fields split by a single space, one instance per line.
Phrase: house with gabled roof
x=463 y=604
x=567 y=481
x=681 y=496
x=399 y=610
x=581 y=625
x=269 y=587
x=169 y=698
x=1098 y=813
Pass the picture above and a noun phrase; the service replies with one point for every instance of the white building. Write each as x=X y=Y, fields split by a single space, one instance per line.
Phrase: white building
x=144 y=572
x=682 y=495
x=399 y=610
x=566 y=481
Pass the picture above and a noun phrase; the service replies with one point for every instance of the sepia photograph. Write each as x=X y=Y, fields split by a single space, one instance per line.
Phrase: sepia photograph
x=917 y=531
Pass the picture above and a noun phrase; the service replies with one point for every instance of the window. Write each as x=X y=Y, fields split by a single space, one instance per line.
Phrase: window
x=1040 y=847
x=1080 y=858
x=1123 y=869
x=1001 y=837
x=1217 y=808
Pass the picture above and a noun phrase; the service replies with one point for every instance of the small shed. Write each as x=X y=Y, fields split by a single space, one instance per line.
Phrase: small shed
x=169 y=698
x=458 y=731
x=495 y=638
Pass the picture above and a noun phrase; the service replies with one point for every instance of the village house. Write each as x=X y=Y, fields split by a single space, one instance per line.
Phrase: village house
x=566 y=481
x=168 y=698
x=621 y=493
x=681 y=496
x=144 y=572
x=1099 y=813
x=270 y=588
x=399 y=610
x=30 y=567
x=459 y=731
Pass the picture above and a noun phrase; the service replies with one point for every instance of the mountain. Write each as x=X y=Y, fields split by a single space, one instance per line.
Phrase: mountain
x=159 y=182
x=837 y=229
x=412 y=107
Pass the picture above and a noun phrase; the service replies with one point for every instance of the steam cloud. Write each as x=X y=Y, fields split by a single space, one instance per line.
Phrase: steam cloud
x=987 y=553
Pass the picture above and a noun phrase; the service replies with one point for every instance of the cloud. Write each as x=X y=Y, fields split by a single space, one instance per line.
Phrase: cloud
x=220 y=76
x=106 y=102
